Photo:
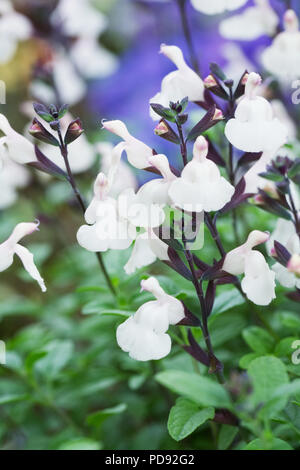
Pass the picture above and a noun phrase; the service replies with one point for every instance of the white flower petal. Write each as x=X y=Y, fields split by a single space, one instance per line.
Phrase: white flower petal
x=19 y=148
x=179 y=84
x=141 y=255
x=138 y=153
x=282 y=57
x=92 y=60
x=119 y=173
x=201 y=187
x=283 y=276
x=251 y=23
x=11 y=246
x=141 y=342
x=28 y=263
x=234 y=262
x=75 y=15
x=254 y=128
x=259 y=281
x=213 y=7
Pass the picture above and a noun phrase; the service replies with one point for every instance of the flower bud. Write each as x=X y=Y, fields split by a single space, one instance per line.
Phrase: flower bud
x=210 y=82
x=244 y=78
x=161 y=128
x=290 y=20
x=218 y=116
x=258 y=200
x=74 y=131
x=164 y=130
x=38 y=131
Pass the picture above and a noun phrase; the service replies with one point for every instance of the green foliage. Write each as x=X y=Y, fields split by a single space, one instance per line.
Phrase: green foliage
x=185 y=417
x=67 y=385
x=202 y=390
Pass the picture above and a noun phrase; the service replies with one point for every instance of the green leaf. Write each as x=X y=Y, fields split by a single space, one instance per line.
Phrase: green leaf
x=12 y=398
x=284 y=347
x=292 y=411
x=82 y=443
x=226 y=326
x=32 y=358
x=295 y=169
x=165 y=113
x=58 y=355
x=267 y=374
x=290 y=320
x=43 y=112
x=247 y=359
x=216 y=69
x=286 y=390
x=273 y=444
x=201 y=390
x=227 y=300
x=259 y=340
x=97 y=418
x=96 y=307
x=185 y=417
x=226 y=436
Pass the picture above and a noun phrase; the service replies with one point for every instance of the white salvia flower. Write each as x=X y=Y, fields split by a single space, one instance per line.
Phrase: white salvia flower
x=254 y=128
x=147 y=249
x=91 y=59
x=181 y=83
x=252 y=178
x=285 y=234
x=124 y=177
x=213 y=7
x=11 y=247
x=12 y=177
x=143 y=335
x=19 y=148
x=282 y=58
x=14 y=27
x=106 y=229
x=79 y=18
x=259 y=281
x=201 y=186
x=63 y=72
x=138 y=153
x=252 y=23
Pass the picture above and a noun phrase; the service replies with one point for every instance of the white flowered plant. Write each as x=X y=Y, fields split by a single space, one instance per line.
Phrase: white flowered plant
x=144 y=335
